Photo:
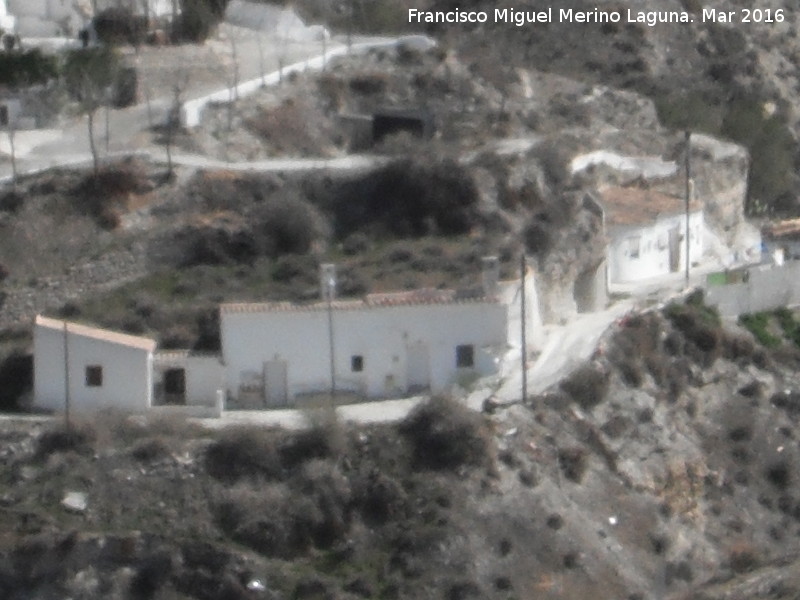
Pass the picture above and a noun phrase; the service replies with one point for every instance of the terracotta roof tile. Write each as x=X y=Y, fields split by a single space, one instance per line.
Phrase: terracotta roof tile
x=95 y=333
x=636 y=206
x=409 y=298
x=788 y=229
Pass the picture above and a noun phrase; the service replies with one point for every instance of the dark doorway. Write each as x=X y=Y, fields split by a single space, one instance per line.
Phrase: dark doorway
x=175 y=386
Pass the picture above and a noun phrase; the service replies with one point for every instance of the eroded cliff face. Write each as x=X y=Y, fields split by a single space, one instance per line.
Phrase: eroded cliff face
x=728 y=77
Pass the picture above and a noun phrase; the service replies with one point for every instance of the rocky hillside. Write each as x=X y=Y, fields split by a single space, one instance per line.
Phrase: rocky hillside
x=664 y=469
x=726 y=77
x=733 y=79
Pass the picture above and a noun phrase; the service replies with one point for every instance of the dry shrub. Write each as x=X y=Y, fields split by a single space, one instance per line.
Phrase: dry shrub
x=324 y=438
x=700 y=325
x=11 y=201
x=631 y=371
x=742 y=557
x=635 y=346
x=426 y=195
x=213 y=239
x=446 y=435
x=287 y=225
x=287 y=519
x=151 y=574
x=63 y=438
x=329 y=490
x=779 y=474
x=587 y=386
x=293 y=127
x=573 y=462
x=378 y=497
x=268 y=519
x=243 y=452
x=538 y=237
x=151 y=450
x=103 y=195
x=738 y=347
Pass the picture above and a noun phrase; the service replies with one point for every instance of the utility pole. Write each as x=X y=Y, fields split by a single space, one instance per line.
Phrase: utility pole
x=524 y=349
x=688 y=160
x=329 y=285
x=66 y=377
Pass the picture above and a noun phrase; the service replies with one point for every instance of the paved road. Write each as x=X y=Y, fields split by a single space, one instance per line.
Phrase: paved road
x=129 y=127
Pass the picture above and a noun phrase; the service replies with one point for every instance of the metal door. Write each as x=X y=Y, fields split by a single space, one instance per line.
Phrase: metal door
x=275 y=383
x=674 y=250
x=418 y=366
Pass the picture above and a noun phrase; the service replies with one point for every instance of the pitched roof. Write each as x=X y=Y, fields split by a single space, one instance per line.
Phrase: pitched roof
x=640 y=206
x=788 y=229
x=389 y=299
x=95 y=333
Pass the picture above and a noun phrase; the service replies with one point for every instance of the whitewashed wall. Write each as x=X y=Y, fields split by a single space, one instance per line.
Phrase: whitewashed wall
x=510 y=295
x=205 y=375
x=127 y=373
x=767 y=287
x=45 y=18
x=380 y=334
x=653 y=257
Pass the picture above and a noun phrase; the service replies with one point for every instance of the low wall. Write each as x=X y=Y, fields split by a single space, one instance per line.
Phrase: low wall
x=192 y=110
x=763 y=287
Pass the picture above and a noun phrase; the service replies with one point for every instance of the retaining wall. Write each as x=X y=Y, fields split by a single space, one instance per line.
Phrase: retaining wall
x=766 y=287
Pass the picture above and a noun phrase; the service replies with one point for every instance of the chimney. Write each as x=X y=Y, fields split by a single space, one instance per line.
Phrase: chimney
x=490 y=275
x=327 y=281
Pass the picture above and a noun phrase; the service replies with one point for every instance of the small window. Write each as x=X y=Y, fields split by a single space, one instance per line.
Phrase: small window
x=356 y=363
x=465 y=356
x=633 y=246
x=94 y=376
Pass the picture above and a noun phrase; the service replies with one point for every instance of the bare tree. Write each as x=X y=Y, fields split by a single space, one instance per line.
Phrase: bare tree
x=11 y=129
x=173 y=118
x=281 y=57
x=89 y=73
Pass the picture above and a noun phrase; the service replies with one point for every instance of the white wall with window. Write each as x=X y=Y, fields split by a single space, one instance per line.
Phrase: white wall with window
x=183 y=378
x=103 y=369
x=640 y=251
x=379 y=350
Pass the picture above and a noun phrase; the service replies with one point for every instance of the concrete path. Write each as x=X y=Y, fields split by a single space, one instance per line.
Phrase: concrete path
x=385 y=411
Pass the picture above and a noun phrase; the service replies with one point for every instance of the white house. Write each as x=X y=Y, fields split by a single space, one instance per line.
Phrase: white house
x=107 y=369
x=646 y=233
x=49 y=18
x=781 y=240
x=7 y=21
x=182 y=378
x=385 y=345
x=100 y=368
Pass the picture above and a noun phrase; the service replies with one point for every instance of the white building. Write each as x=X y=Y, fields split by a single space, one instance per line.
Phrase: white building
x=110 y=370
x=646 y=233
x=385 y=345
x=782 y=240
x=7 y=21
x=101 y=368
x=186 y=379
x=65 y=18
